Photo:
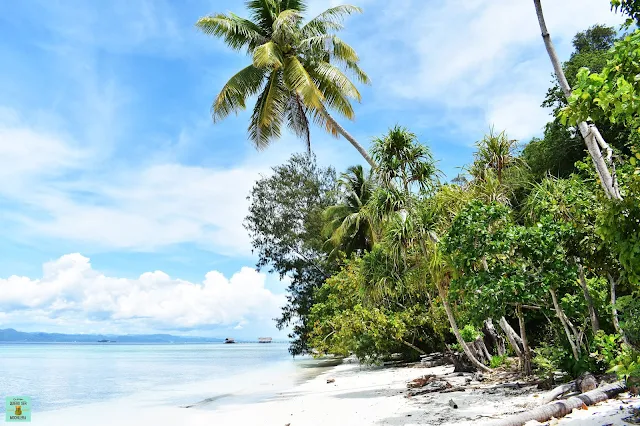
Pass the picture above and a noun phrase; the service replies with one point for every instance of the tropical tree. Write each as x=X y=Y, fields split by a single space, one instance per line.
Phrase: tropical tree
x=407 y=173
x=285 y=226
x=296 y=72
x=593 y=139
x=348 y=224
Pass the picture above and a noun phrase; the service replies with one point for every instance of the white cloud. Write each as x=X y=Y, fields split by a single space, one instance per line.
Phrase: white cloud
x=471 y=56
x=70 y=292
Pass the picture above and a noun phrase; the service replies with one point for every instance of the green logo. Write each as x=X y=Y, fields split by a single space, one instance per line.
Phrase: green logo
x=18 y=409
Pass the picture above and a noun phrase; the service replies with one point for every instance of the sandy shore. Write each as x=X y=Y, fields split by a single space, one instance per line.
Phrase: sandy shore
x=359 y=396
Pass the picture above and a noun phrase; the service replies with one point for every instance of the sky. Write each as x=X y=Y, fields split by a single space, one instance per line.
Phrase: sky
x=121 y=203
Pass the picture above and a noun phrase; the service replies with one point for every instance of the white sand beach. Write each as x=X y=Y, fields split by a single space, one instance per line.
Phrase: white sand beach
x=358 y=396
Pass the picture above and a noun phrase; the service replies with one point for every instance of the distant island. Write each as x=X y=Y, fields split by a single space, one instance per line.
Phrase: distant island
x=11 y=335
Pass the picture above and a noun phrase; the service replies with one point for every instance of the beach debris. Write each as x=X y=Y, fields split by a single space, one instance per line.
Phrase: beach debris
x=331 y=380
x=421 y=381
x=557 y=410
x=431 y=387
x=585 y=383
x=435 y=359
x=453 y=404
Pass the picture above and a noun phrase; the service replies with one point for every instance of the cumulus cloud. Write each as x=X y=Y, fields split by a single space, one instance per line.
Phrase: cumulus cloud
x=470 y=57
x=72 y=293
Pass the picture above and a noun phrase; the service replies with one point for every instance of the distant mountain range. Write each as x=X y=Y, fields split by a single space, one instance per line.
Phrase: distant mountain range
x=11 y=335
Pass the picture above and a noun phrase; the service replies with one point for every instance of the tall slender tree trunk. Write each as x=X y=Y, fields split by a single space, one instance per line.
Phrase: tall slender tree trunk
x=341 y=130
x=592 y=137
x=595 y=324
x=525 y=342
x=513 y=339
x=614 y=310
x=561 y=317
x=456 y=332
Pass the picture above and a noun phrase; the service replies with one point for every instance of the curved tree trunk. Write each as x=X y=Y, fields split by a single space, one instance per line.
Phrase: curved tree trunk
x=592 y=137
x=513 y=338
x=341 y=130
x=561 y=317
x=456 y=332
x=595 y=324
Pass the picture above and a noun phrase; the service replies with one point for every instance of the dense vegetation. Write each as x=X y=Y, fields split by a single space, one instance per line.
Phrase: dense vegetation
x=394 y=260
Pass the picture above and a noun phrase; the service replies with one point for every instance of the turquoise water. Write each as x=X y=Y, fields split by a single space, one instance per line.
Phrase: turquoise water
x=63 y=375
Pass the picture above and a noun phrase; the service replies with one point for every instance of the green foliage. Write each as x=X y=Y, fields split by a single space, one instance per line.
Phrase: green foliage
x=345 y=323
x=498 y=361
x=612 y=95
x=630 y=8
x=348 y=224
x=285 y=225
x=561 y=147
x=470 y=333
x=629 y=312
x=548 y=359
x=297 y=71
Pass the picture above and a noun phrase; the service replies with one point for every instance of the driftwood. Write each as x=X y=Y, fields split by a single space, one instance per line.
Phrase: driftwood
x=492 y=339
x=435 y=386
x=559 y=409
x=421 y=381
x=585 y=383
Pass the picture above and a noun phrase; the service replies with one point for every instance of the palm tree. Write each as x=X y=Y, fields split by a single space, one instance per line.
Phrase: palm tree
x=348 y=224
x=592 y=137
x=296 y=71
x=417 y=217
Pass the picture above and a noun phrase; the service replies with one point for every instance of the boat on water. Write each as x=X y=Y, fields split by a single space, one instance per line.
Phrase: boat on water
x=229 y=340
x=265 y=339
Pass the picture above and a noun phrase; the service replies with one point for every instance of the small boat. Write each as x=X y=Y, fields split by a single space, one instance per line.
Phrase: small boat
x=229 y=340
x=264 y=339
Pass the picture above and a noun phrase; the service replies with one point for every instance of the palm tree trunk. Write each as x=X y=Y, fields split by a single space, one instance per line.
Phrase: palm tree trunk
x=614 y=310
x=595 y=324
x=590 y=133
x=341 y=130
x=456 y=332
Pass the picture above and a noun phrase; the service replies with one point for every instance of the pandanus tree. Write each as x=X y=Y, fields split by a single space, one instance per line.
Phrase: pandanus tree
x=408 y=176
x=296 y=70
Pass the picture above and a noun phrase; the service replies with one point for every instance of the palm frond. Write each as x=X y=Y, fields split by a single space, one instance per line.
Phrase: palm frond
x=329 y=20
x=268 y=55
x=268 y=113
x=298 y=121
x=263 y=12
x=298 y=80
x=286 y=25
x=235 y=31
x=235 y=92
x=331 y=74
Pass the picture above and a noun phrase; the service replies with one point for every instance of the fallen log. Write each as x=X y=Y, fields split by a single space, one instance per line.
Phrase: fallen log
x=562 y=408
x=585 y=383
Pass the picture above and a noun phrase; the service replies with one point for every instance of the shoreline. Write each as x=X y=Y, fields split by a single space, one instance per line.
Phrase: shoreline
x=358 y=395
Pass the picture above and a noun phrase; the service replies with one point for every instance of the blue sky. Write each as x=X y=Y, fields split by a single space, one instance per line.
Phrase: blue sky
x=111 y=169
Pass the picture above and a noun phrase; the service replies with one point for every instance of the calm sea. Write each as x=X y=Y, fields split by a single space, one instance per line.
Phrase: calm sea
x=63 y=375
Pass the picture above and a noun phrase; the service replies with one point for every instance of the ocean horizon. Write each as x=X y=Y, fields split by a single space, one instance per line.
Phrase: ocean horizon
x=190 y=375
